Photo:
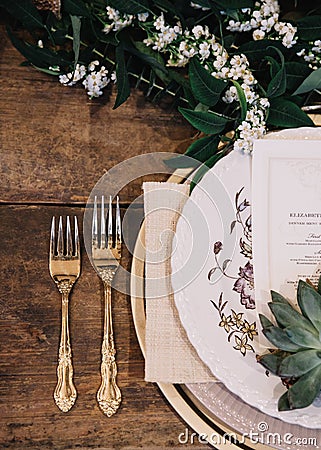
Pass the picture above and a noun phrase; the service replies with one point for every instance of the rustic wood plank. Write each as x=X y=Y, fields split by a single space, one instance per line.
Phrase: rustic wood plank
x=29 y=336
x=56 y=143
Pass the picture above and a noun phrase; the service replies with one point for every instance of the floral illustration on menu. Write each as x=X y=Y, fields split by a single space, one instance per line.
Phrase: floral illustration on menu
x=234 y=324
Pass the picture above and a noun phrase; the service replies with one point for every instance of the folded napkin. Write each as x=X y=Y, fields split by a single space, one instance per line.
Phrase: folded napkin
x=170 y=357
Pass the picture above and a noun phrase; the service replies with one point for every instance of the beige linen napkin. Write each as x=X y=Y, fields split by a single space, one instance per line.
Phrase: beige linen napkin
x=170 y=357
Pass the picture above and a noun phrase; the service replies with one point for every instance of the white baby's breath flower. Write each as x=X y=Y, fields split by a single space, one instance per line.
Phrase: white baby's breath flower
x=257 y=16
x=204 y=50
x=142 y=17
x=95 y=82
x=220 y=62
x=264 y=102
x=177 y=61
x=316 y=47
x=186 y=49
x=288 y=40
x=309 y=58
x=158 y=45
x=234 y=25
x=108 y=28
x=230 y=95
x=198 y=31
x=159 y=22
x=258 y=35
x=113 y=14
x=243 y=145
x=71 y=78
x=92 y=65
x=197 y=6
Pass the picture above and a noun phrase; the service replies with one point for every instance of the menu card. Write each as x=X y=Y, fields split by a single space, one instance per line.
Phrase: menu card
x=286 y=214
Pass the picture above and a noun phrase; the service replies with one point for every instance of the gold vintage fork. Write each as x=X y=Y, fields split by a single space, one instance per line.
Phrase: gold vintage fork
x=64 y=267
x=106 y=257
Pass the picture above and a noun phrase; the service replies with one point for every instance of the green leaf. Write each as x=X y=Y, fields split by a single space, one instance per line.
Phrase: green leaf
x=286 y=114
x=278 y=298
x=319 y=285
x=309 y=301
x=168 y=6
x=206 y=88
x=39 y=57
x=283 y=403
x=272 y=361
x=153 y=59
x=200 y=150
x=287 y=316
x=277 y=85
x=306 y=389
x=25 y=11
x=184 y=83
x=131 y=6
x=295 y=74
x=312 y=81
x=254 y=50
x=300 y=363
x=208 y=122
x=280 y=339
x=123 y=88
x=242 y=99
x=203 y=148
x=274 y=66
x=47 y=71
x=205 y=168
x=309 y=28
x=205 y=3
x=265 y=322
x=76 y=8
x=278 y=51
x=76 y=25
x=303 y=337
x=234 y=4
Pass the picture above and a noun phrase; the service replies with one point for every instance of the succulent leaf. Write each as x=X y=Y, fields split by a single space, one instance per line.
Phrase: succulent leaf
x=287 y=316
x=265 y=322
x=303 y=337
x=297 y=338
x=278 y=298
x=309 y=301
x=271 y=361
x=299 y=363
x=280 y=339
x=283 y=403
x=306 y=389
x=319 y=286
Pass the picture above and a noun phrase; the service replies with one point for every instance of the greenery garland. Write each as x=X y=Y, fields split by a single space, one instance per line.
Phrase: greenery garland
x=234 y=68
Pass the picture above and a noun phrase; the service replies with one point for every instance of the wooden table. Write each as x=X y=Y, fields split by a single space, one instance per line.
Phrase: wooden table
x=55 y=145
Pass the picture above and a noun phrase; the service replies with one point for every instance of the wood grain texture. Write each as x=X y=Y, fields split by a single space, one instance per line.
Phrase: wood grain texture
x=56 y=143
x=29 y=336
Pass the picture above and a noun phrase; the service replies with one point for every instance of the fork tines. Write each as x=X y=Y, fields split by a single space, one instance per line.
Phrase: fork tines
x=103 y=240
x=61 y=247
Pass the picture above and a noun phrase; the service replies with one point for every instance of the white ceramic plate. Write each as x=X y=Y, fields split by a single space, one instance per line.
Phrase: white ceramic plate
x=212 y=277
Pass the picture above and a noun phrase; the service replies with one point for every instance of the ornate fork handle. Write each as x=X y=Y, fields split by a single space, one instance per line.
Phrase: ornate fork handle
x=108 y=395
x=65 y=393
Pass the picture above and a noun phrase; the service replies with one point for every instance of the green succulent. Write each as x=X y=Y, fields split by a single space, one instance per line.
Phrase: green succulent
x=297 y=338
